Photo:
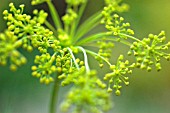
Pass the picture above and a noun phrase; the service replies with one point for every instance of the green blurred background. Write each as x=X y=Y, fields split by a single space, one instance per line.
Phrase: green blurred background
x=147 y=92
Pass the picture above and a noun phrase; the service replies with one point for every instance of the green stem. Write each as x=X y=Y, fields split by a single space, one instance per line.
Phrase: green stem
x=87 y=25
x=66 y=28
x=131 y=37
x=91 y=38
x=100 y=36
x=95 y=54
x=74 y=59
x=51 y=27
x=110 y=38
x=54 y=15
x=18 y=43
x=54 y=96
x=85 y=59
x=75 y=24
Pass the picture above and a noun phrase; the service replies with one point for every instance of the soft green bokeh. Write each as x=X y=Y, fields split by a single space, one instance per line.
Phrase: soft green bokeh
x=147 y=92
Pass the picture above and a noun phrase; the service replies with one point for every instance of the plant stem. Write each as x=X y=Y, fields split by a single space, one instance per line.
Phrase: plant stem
x=95 y=54
x=110 y=38
x=91 y=38
x=131 y=37
x=87 y=25
x=74 y=60
x=100 y=36
x=50 y=26
x=85 y=59
x=75 y=24
x=54 y=96
x=54 y=15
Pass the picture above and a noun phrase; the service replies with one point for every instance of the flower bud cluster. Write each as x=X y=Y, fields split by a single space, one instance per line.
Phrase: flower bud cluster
x=69 y=17
x=40 y=16
x=68 y=70
x=60 y=62
x=16 y=60
x=64 y=38
x=110 y=9
x=115 y=26
x=43 y=39
x=118 y=75
x=116 y=5
x=64 y=64
x=8 y=46
x=22 y=24
x=87 y=94
x=44 y=68
x=75 y=2
x=149 y=51
x=105 y=50
x=72 y=77
x=25 y=27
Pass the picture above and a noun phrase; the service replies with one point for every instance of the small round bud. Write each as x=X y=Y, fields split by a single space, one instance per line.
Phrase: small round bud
x=118 y=92
x=126 y=83
x=53 y=68
x=149 y=69
x=11 y=5
x=42 y=79
x=121 y=57
x=13 y=67
x=29 y=48
x=22 y=6
x=101 y=65
x=116 y=16
x=5 y=12
x=109 y=90
x=47 y=81
x=34 y=68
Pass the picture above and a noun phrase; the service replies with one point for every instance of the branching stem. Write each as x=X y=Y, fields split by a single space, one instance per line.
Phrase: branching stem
x=74 y=60
x=95 y=54
x=85 y=59
x=131 y=37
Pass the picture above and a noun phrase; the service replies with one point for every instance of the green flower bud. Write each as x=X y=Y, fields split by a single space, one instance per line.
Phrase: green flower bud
x=5 y=12
x=149 y=69
x=109 y=90
x=13 y=67
x=118 y=92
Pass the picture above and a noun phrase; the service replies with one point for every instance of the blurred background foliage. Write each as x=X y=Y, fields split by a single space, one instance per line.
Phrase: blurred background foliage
x=147 y=92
